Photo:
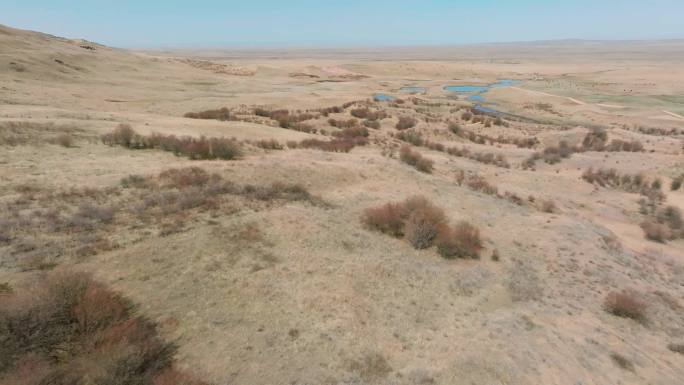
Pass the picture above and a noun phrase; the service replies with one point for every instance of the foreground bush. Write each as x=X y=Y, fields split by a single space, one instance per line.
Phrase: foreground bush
x=423 y=225
x=201 y=148
x=69 y=329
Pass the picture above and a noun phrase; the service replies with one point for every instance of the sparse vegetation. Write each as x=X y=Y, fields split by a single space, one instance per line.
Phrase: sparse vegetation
x=90 y=221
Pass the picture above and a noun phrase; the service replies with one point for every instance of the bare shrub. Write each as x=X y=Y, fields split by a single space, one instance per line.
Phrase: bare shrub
x=406 y=122
x=423 y=221
x=64 y=140
x=374 y=124
x=626 y=304
x=413 y=137
x=269 y=144
x=194 y=148
x=622 y=361
x=665 y=224
x=460 y=241
x=388 y=219
x=677 y=348
x=595 y=140
x=92 y=330
x=547 y=206
x=185 y=177
x=416 y=160
x=222 y=114
x=423 y=224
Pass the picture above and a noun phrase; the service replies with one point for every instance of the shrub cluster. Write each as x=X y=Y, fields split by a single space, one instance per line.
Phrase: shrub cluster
x=597 y=140
x=343 y=123
x=222 y=114
x=636 y=183
x=667 y=224
x=288 y=120
x=406 y=122
x=72 y=330
x=366 y=113
x=194 y=148
x=425 y=225
x=269 y=144
x=415 y=159
x=484 y=139
x=677 y=183
x=417 y=139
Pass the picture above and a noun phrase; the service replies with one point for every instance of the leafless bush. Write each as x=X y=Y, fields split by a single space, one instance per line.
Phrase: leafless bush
x=64 y=140
x=406 y=122
x=194 y=148
x=92 y=330
x=413 y=137
x=460 y=241
x=269 y=144
x=626 y=304
x=374 y=124
x=416 y=160
x=222 y=114
x=423 y=224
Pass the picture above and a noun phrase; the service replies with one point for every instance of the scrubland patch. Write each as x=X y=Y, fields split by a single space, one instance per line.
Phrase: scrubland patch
x=40 y=227
x=423 y=225
x=201 y=148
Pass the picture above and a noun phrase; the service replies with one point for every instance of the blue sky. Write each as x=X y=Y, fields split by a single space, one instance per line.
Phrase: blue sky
x=175 y=23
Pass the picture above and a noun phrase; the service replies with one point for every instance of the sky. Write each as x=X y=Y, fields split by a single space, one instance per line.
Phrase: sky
x=344 y=23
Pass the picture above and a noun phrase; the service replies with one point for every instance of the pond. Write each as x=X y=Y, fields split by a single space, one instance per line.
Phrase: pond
x=475 y=93
x=383 y=98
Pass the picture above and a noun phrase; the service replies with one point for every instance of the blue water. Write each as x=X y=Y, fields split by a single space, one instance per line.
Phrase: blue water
x=467 y=89
x=414 y=90
x=475 y=93
x=476 y=98
x=383 y=98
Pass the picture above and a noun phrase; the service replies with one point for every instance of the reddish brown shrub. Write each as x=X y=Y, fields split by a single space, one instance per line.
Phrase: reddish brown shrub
x=423 y=224
x=626 y=304
x=388 y=219
x=416 y=160
x=460 y=241
x=71 y=330
x=222 y=114
x=406 y=122
x=655 y=231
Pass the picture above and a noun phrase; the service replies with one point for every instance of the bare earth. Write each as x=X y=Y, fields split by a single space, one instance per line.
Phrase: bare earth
x=302 y=293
